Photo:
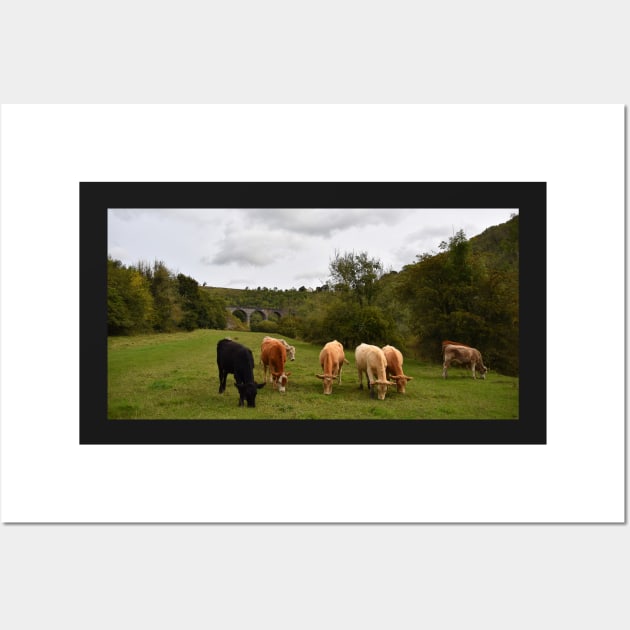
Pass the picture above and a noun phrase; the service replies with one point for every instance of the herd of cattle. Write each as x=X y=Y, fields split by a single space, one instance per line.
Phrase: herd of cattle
x=382 y=366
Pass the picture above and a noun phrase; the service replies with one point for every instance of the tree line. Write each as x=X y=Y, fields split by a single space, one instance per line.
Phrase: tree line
x=467 y=292
x=150 y=298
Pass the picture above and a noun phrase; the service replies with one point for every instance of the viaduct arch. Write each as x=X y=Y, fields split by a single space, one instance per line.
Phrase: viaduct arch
x=250 y=310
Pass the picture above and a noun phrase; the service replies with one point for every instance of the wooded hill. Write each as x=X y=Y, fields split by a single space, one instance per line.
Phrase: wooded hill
x=467 y=292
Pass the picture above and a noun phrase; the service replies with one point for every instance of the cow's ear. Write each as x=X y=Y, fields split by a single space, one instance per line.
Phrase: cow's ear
x=320 y=376
x=395 y=378
x=259 y=385
x=287 y=373
x=409 y=378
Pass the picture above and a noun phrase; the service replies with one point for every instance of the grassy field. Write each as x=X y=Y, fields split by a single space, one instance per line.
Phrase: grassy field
x=175 y=376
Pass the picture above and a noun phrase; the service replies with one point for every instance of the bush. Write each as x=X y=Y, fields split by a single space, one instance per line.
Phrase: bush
x=234 y=323
x=288 y=326
x=265 y=326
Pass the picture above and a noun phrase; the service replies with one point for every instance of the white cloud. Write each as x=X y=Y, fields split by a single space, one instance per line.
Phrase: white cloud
x=320 y=221
x=253 y=247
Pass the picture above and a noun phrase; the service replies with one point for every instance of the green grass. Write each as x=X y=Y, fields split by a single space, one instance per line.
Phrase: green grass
x=175 y=376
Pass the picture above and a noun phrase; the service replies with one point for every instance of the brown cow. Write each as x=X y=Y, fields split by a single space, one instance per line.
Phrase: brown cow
x=465 y=356
x=273 y=355
x=331 y=358
x=290 y=349
x=372 y=361
x=394 y=369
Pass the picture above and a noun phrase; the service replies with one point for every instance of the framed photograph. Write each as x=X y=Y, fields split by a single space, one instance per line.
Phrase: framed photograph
x=114 y=407
x=88 y=439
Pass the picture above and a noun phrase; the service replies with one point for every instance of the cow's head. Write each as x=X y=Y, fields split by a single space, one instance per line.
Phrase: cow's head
x=291 y=353
x=247 y=392
x=381 y=388
x=482 y=369
x=328 y=382
x=280 y=381
x=401 y=382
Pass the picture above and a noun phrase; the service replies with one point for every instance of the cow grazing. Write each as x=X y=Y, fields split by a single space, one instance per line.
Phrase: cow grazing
x=273 y=356
x=234 y=358
x=290 y=349
x=394 y=369
x=465 y=356
x=453 y=343
x=331 y=358
x=372 y=361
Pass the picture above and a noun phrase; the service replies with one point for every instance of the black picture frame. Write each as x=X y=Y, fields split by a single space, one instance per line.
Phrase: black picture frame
x=95 y=198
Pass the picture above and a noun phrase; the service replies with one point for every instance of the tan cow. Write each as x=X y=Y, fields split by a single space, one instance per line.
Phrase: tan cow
x=394 y=369
x=372 y=361
x=331 y=358
x=465 y=356
x=273 y=355
x=453 y=343
x=290 y=349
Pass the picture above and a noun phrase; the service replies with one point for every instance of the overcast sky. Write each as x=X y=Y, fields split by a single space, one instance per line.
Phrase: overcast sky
x=284 y=248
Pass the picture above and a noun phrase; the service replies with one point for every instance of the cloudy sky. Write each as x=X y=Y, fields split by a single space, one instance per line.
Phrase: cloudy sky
x=283 y=248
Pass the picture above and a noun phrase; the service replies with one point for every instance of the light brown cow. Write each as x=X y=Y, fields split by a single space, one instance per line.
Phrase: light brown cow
x=465 y=356
x=372 y=361
x=394 y=369
x=273 y=355
x=290 y=349
x=453 y=343
x=331 y=358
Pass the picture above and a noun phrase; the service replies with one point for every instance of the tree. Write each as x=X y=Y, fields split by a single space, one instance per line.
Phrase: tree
x=129 y=300
x=345 y=307
x=168 y=309
x=188 y=289
x=356 y=275
x=199 y=308
x=211 y=313
x=467 y=296
x=442 y=292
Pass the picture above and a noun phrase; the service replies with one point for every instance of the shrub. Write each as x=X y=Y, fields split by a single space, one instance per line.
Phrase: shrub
x=265 y=326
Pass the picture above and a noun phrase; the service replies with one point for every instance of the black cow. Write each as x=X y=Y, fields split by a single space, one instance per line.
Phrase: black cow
x=234 y=358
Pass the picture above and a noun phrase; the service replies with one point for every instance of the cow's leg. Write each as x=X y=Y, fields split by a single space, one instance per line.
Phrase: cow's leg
x=372 y=391
x=473 y=371
x=444 y=370
x=370 y=379
x=361 y=379
x=222 y=379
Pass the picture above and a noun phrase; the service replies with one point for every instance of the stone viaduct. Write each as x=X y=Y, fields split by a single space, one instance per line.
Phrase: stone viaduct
x=248 y=311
